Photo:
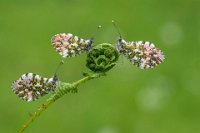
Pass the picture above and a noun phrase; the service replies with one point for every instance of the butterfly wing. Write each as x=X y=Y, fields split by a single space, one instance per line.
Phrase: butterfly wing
x=68 y=45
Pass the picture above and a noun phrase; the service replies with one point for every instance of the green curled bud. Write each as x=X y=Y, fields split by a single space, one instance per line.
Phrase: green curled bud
x=102 y=58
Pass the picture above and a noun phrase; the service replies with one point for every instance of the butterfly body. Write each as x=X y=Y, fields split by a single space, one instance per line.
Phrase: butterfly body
x=30 y=87
x=68 y=45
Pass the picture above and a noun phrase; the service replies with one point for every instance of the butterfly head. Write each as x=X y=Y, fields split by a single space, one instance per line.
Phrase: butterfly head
x=120 y=42
x=89 y=44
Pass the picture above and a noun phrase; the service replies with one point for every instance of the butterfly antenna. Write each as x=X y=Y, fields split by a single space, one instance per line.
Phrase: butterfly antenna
x=116 y=28
x=60 y=64
x=94 y=34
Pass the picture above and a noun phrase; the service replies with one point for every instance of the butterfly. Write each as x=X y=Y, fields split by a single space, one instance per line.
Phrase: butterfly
x=30 y=87
x=142 y=54
x=68 y=45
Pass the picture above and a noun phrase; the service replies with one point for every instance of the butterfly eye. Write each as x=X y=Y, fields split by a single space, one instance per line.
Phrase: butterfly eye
x=142 y=54
x=68 y=45
x=30 y=87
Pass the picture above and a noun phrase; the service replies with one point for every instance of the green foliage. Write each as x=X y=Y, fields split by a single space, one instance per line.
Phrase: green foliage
x=62 y=89
x=102 y=58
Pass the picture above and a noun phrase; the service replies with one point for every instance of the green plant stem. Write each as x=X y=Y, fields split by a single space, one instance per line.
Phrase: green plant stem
x=58 y=94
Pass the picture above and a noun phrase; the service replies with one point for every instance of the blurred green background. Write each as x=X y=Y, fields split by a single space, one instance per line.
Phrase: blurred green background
x=128 y=100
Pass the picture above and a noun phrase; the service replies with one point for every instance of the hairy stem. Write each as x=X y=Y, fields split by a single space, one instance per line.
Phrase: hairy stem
x=61 y=90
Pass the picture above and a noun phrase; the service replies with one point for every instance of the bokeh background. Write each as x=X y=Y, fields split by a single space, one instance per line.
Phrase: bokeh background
x=128 y=100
